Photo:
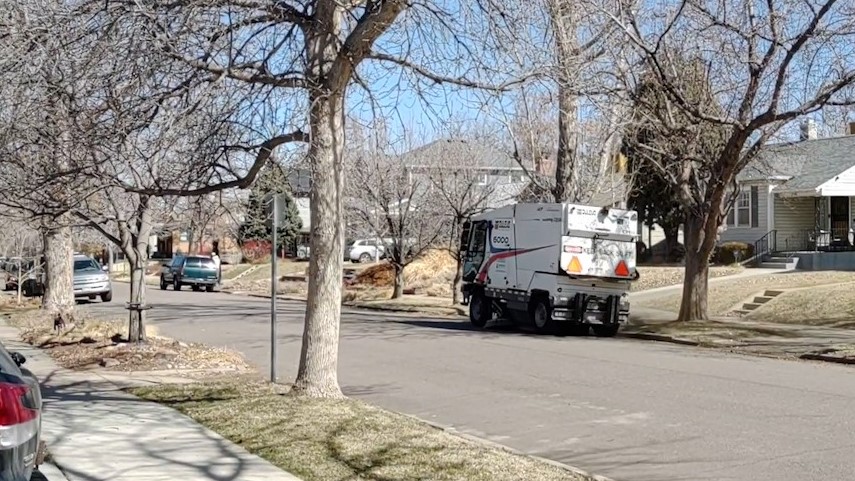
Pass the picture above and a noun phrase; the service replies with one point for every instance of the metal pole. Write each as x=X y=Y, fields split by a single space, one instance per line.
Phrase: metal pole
x=273 y=285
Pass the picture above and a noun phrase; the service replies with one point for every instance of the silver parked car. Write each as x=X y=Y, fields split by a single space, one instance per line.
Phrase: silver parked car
x=91 y=280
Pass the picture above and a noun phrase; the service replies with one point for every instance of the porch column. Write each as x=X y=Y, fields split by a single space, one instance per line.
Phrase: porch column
x=770 y=208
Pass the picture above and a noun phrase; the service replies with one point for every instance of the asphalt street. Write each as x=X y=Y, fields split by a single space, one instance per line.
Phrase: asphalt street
x=630 y=410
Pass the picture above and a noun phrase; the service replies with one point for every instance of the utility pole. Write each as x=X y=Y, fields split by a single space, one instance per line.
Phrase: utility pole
x=274 y=283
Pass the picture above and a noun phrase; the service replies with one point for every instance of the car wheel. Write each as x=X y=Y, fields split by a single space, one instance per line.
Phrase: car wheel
x=605 y=330
x=195 y=288
x=365 y=257
x=541 y=316
x=162 y=283
x=480 y=309
x=176 y=284
x=209 y=288
x=107 y=296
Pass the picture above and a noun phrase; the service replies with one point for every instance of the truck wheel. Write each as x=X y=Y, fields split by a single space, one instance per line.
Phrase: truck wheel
x=162 y=283
x=605 y=330
x=176 y=285
x=541 y=317
x=480 y=309
x=209 y=288
x=107 y=296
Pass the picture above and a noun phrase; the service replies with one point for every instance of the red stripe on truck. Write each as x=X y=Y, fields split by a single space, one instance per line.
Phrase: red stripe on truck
x=482 y=275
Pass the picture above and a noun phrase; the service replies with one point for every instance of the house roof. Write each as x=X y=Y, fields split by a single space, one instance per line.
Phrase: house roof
x=807 y=164
x=445 y=152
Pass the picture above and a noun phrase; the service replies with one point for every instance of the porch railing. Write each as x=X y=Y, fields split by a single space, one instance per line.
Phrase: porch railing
x=763 y=246
x=814 y=240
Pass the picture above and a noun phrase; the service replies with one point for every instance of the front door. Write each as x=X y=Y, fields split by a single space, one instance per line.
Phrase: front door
x=839 y=219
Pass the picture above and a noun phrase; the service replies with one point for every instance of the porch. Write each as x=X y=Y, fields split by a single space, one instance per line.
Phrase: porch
x=814 y=231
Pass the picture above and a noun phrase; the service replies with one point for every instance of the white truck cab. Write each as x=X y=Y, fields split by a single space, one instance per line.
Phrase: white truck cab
x=559 y=267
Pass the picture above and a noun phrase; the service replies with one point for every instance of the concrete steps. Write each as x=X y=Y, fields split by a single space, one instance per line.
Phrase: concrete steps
x=757 y=302
x=777 y=262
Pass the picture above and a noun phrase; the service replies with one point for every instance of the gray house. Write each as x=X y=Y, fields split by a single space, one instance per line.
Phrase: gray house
x=797 y=199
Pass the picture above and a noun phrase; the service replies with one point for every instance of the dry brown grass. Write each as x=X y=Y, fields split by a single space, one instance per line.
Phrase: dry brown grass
x=97 y=342
x=832 y=306
x=431 y=273
x=725 y=295
x=322 y=439
x=663 y=276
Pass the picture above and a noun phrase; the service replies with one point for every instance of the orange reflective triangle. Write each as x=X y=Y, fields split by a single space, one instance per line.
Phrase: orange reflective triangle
x=574 y=265
x=621 y=269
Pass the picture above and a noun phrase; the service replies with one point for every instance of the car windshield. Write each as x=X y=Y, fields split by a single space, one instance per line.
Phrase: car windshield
x=204 y=262
x=85 y=265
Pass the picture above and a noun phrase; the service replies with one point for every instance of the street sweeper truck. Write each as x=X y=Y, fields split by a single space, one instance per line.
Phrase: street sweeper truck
x=558 y=267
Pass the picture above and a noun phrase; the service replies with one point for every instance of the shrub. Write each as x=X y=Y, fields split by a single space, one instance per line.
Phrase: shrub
x=733 y=252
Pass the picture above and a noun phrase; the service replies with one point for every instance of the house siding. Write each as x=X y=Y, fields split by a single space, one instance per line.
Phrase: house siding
x=793 y=216
x=749 y=235
x=842 y=185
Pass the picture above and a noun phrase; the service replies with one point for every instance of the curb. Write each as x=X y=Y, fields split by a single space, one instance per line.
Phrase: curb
x=351 y=306
x=658 y=337
x=826 y=358
x=49 y=472
x=492 y=444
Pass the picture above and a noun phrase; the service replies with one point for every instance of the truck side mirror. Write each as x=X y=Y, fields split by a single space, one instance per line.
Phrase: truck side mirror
x=18 y=358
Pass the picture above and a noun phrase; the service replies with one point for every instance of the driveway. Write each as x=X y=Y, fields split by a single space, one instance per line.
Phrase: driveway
x=630 y=410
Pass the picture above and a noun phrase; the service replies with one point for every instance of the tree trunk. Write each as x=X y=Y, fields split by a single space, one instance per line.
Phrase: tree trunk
x=564 y=19
x=58 y=296
x=699 y=246
x=671 y=234
x=317 y=374
x=458 y=279
x=565 y=162
x=136 y=319
x=398 y=289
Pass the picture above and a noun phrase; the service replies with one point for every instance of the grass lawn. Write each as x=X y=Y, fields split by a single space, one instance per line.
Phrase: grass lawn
x=284 y=268
x=832 y=306
x=321 y=440
x=235 y=270
x=663 y=276
x=724 y=295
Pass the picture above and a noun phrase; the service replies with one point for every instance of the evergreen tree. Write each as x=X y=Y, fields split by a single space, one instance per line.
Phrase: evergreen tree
x=257 y=225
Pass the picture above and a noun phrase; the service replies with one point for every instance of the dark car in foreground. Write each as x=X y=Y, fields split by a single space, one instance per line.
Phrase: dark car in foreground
x=20 y=418
x=194 y=271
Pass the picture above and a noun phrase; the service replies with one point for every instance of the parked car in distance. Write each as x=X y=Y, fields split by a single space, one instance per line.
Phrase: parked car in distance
x=366 y=250
x=91 y=279
x=21 y=449
x=194 y=271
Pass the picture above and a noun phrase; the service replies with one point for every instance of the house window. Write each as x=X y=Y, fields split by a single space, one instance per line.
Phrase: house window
x=745 y=209
x=483 y=179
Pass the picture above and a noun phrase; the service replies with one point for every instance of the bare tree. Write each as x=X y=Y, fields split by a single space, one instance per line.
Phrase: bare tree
x=300 y=59
x=566 y=127
x=20 y=244
x=768 y=64
x=398 y=206
x=461 y=192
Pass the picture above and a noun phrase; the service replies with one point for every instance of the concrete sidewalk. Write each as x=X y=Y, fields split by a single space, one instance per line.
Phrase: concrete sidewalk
x=96 y=432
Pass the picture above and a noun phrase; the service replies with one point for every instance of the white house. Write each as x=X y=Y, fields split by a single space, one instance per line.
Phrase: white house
x=797 y=198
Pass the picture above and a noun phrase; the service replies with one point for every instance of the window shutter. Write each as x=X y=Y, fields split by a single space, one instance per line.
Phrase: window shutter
x=755 y=206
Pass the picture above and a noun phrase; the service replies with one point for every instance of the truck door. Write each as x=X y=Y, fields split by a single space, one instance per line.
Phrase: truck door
x=475 y=251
